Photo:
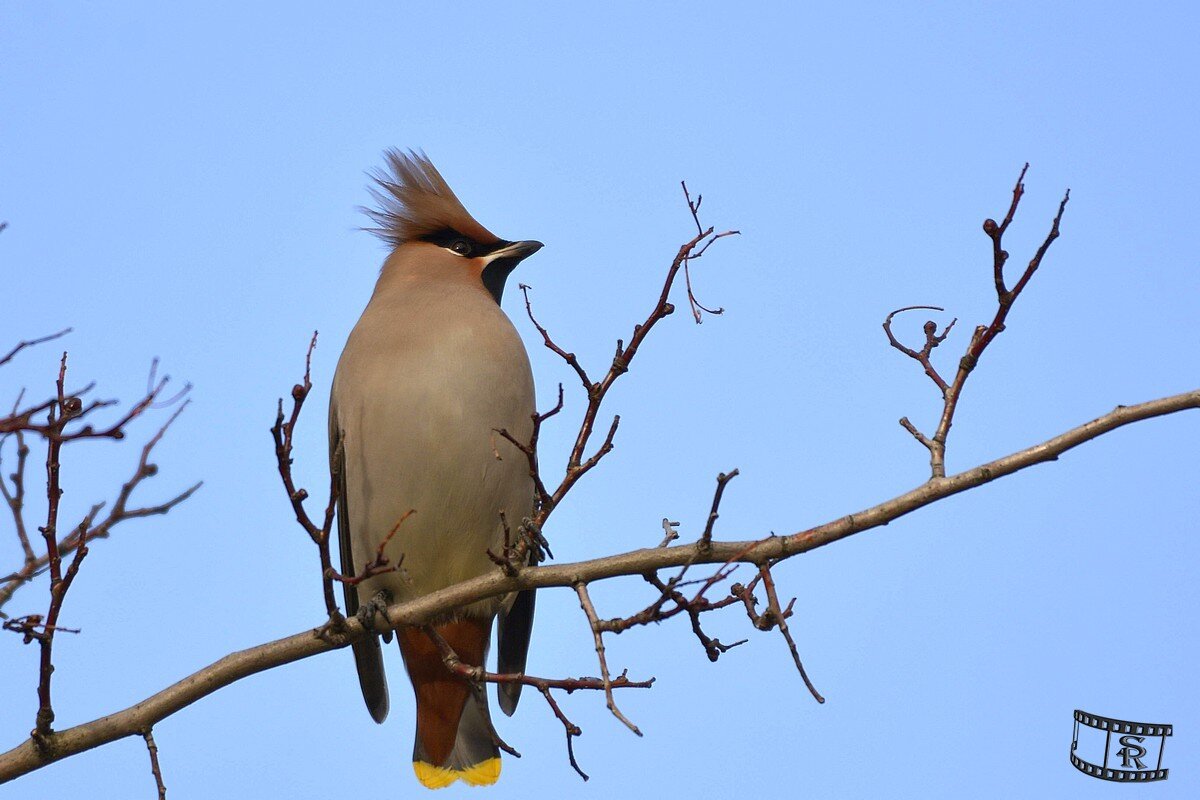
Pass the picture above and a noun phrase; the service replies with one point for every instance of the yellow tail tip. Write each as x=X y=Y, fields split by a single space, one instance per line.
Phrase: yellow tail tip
x=485 y=773
x=432 y=777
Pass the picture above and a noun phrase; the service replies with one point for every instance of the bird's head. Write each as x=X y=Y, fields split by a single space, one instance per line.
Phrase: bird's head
x=419 y=216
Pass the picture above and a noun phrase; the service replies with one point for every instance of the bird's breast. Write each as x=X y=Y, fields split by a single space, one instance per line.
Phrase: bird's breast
x=421 y=392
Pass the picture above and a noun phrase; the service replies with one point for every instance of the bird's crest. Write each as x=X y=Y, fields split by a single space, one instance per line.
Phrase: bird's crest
x=415 y=201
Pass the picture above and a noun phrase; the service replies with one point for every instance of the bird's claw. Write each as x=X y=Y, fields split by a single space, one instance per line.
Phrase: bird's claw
x=378 y=604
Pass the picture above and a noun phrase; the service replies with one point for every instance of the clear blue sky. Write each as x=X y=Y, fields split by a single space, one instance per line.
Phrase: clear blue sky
x=180 y=181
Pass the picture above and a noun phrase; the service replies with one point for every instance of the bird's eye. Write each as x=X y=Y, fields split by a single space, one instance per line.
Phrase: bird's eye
x=461 y=246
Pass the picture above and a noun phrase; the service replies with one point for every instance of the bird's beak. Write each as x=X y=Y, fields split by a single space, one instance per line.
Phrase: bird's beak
x=515 y=252
x=500 y=263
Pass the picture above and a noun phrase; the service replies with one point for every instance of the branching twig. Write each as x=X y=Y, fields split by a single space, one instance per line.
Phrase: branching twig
x=932 y=340
x=572 y=730
x=119 y=512
x=283 y=433
x=585 y=602
x=530 y=449
x=776 y=616
x=669 y=532
x=577 y=464
x=476 y=675
x=16 y=501
x=698 y=309
x=983 y=334
x=379 y=565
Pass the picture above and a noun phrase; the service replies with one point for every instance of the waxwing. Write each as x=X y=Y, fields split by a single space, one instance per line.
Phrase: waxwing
x=429 y=374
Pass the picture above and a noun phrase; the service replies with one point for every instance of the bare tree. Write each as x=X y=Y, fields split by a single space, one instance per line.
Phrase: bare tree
x=685 y=591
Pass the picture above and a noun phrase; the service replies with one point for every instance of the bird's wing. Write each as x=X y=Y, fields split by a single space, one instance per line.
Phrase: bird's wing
x=368 y=654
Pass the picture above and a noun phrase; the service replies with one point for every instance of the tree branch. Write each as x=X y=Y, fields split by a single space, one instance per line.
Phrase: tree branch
x=983 y=334
x=28 y=757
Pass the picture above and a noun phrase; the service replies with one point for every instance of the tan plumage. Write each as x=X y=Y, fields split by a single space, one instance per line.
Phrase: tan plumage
x=415 y=200
x=430 y=371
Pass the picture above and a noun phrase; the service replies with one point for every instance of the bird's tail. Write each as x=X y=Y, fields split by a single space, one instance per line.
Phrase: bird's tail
x=475 y=759
x=455 y=739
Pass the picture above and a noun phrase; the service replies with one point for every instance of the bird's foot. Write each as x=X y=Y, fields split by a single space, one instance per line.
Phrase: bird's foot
x=376 y=605
x=332 y=627
x=532 y=533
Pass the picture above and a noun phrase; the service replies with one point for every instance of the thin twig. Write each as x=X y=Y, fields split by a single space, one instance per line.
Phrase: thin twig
x=16 y=498
x=152 y=748
x=982 y=335
x=31 y=343
x=572 y=730
x=119 y=512
x=577 y=464
x=780 y=617
x=723 y=480
x=477 y=675
x=669 y=532
x=283 y=433
x=932 y=340
x=585 y=602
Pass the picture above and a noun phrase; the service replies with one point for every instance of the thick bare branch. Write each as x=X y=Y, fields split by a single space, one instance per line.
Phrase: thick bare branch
x=28 y=757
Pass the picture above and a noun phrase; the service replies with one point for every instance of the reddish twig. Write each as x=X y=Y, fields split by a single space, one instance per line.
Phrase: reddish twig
x=58 y=417
x=693 y=607
x=530 y=449
x=62 y=411
x=999 y=255
x=577 y=465
x=90 y=530
x=380 y=565
x=723 y=480
x=932 y=340
x=983 y=334
x=476 y=675
x=16 y=499
x=572 y=730
x=570 y=358
x=698 y=309
x=31 y=343
x=283 y=433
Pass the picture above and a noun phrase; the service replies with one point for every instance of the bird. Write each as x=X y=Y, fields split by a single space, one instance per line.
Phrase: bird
x=430 y=374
